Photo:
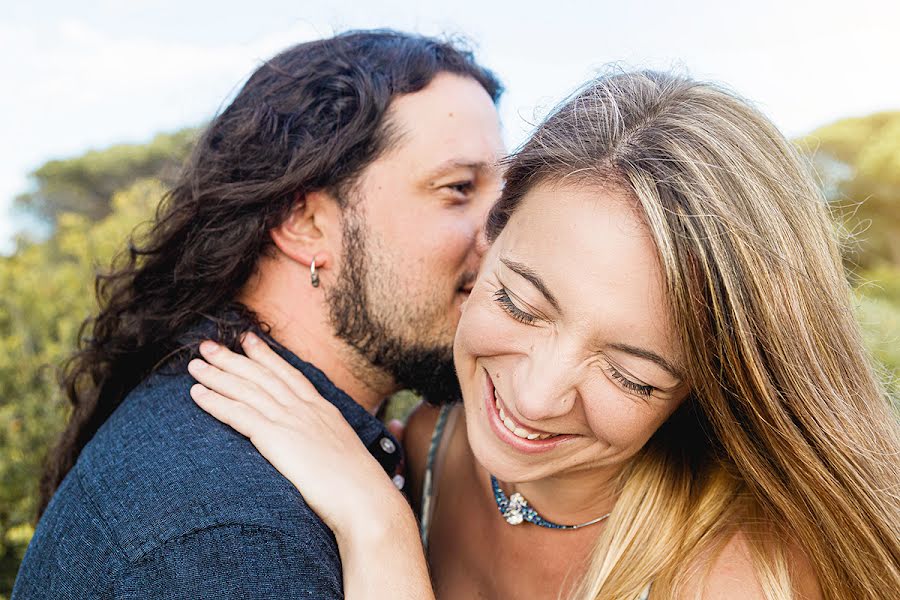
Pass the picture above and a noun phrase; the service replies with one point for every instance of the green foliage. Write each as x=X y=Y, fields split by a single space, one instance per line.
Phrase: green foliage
x=859 y=160
x=878 y=312
x=85 y=184
x=400 y=405
x=46 y=291
x=94 y=201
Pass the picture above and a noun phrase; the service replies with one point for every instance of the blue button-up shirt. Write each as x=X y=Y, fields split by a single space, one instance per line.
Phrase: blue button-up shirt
x=167 y=502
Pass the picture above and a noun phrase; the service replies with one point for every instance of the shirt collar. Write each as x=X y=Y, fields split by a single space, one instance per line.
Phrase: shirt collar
x=371 y=431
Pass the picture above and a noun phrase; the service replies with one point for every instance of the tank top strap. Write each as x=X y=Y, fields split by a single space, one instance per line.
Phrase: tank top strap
x=435 y=451
x=428 y=482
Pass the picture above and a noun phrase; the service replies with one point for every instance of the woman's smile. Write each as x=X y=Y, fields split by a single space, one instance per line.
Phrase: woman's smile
x=512 y=432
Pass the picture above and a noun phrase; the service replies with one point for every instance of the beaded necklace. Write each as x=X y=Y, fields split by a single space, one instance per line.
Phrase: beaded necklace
x=516 y=510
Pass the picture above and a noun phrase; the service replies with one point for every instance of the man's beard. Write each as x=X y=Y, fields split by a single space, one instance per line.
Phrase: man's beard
x=376 y=330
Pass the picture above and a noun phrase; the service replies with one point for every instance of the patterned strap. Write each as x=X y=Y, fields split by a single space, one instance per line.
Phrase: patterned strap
x=428 y=481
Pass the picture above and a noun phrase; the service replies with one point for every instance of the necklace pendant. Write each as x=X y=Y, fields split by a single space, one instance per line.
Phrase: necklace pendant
x=515 y=511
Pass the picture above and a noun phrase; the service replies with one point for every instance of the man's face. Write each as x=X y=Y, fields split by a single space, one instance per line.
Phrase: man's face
x=410 y=239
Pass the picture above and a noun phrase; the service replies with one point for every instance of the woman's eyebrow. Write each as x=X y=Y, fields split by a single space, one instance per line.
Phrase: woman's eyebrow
x=533 y=278
x=529 y=274
x=651 y=356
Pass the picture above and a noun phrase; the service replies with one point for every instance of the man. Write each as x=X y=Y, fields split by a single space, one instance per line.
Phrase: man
x=336 y=205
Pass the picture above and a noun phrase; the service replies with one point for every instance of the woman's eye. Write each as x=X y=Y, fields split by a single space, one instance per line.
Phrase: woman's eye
x=502 y=298
x=642 y=390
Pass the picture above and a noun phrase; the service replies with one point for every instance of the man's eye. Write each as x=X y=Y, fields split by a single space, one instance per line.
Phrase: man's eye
x=462 y=187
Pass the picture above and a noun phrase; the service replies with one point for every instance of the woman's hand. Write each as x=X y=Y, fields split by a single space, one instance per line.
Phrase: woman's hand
x=307 y=439
x=303 y=435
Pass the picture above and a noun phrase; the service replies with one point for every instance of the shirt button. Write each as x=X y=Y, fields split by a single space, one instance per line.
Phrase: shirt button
x=387 y=445
x=398 y=480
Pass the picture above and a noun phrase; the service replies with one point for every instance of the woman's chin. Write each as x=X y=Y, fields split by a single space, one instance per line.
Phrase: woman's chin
x=490 y=455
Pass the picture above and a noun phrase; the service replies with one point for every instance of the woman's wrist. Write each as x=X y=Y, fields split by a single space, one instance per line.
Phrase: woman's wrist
x=384 y=515
x=382 y=556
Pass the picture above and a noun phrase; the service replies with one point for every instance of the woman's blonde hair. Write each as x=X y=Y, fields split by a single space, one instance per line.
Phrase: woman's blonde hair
x=787 y=435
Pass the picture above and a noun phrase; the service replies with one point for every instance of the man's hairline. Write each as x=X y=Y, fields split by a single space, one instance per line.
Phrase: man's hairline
x=392 y=137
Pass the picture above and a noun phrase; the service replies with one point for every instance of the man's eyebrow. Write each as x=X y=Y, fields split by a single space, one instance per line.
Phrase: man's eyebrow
x=651 y=356
x=532 y=277
x=457 y=163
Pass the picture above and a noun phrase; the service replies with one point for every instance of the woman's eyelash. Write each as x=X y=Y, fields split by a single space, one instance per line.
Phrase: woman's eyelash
x=637 y=388
x=502 y=298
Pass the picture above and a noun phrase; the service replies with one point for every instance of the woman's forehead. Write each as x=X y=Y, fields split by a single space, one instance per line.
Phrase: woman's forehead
x=593 y=251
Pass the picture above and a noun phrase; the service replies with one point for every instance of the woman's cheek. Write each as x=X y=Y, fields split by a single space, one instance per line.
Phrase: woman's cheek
x=485 y=331
x=616 y=420
x=623 y=423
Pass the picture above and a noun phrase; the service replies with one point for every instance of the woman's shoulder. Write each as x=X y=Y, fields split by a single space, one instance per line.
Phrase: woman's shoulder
x=416 y=441
x=732 y=574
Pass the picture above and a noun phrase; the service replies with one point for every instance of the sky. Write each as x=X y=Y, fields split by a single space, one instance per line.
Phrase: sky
x=84 y=75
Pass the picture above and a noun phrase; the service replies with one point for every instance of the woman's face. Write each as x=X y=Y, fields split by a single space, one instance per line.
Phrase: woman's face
x=565 y=349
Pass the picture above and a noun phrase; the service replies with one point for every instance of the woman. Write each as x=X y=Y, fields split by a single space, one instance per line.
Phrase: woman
x=664 y=387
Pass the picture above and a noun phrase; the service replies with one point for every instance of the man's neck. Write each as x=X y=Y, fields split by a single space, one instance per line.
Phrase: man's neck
x=308 y=335
x=366 y=385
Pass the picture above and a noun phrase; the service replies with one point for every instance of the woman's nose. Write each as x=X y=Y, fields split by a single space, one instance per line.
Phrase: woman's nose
x=546 y=390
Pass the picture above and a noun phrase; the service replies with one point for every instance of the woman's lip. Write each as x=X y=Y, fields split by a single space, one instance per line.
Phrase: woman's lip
x=505 y=435
x=513 y=419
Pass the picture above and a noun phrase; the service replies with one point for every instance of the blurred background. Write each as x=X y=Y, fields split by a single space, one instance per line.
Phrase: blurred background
x=104 y=98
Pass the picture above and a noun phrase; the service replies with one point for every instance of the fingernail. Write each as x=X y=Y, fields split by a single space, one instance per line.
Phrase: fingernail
x=250 y=338
x=208 y=347
x=197 y=365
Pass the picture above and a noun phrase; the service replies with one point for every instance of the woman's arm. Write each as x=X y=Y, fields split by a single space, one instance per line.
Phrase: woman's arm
x=383 y=558
x=307 y=439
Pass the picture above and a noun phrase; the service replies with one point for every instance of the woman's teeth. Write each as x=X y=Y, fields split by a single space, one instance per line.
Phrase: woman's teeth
x=518 y=430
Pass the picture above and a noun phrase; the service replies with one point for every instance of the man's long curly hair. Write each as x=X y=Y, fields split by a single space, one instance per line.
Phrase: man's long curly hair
x=311 y=118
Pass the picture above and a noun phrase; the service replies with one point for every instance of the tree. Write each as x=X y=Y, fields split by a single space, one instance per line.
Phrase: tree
x=858 y=160
x=46 y=291
x=85 y=184
x=95 y=201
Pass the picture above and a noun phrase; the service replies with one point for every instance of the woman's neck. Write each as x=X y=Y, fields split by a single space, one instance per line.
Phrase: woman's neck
x=568 y=498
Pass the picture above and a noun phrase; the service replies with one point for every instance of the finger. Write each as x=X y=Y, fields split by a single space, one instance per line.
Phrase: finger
x=260 y=352
x=246 y=368
x=235 y=388
x=241 y=417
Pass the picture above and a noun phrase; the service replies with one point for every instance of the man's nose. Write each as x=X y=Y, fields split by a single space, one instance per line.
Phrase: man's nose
x=481 y=242
x=481 y=215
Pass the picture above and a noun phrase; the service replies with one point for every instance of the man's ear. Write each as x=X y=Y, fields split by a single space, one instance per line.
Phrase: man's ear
x=312 y=229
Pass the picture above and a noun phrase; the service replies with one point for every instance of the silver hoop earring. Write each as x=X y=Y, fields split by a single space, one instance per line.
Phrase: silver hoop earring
x=313 y=276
